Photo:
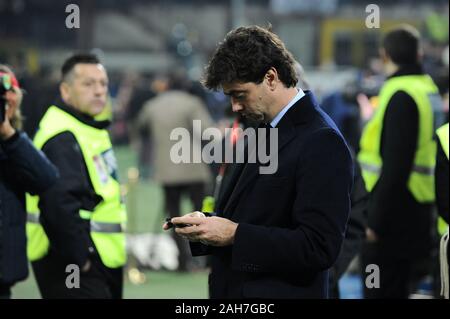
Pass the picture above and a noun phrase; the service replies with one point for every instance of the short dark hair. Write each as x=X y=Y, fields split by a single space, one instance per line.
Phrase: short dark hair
x=75 y=59
x=245 y=55
x=402 y=45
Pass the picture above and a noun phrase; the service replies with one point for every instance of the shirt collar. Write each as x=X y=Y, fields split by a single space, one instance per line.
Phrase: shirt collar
x=280 y=115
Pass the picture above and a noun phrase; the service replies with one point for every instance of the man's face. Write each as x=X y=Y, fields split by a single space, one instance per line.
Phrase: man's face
x=86 y=88
x=249 y=99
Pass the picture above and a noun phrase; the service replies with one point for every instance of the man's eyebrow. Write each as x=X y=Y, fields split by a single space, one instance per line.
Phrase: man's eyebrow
x=234 y=92
x=92 y=78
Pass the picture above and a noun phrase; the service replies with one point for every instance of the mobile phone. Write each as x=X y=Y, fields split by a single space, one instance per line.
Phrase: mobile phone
x=172 y=225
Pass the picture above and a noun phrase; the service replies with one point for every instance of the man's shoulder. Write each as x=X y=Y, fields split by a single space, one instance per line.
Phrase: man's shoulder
x=402 y=107
x=318 y=123
x=402 y=99
x=306 y=114
x=63 y=140
x=65 y=153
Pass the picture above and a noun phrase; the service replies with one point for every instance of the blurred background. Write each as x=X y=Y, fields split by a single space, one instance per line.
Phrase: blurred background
x=142 y=43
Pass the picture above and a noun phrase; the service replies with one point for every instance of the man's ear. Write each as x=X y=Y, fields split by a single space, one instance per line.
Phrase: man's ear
x=64 y=90
x=420 y=54
x=271 y=78
x=384 y=56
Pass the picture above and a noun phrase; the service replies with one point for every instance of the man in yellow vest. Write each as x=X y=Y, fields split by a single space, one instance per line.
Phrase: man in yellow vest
x=76 y=239
x=442 y=201
x=397 y=157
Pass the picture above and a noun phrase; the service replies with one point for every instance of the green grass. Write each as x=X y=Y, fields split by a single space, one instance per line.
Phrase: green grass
x=158 y=285
x=169 y=285
x=145 y=213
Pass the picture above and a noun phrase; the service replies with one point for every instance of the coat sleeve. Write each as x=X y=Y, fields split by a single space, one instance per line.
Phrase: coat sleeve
x=29 y=167
x=324 y=176
x=198 y=249
x=60 y=205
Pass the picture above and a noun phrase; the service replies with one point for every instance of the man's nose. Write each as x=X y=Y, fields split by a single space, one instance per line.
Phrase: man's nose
x=99 y=89
x=236 y=106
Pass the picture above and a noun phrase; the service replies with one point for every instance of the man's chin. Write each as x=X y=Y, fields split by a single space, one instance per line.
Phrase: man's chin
x=96 y=110
x=254 y=117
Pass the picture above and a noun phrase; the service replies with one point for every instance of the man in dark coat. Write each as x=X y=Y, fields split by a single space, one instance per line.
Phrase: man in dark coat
x=276 y=233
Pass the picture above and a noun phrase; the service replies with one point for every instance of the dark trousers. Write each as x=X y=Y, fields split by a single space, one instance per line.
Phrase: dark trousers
x=5 y=291
x=99 y=282
x=398 y=277
x=173 y=194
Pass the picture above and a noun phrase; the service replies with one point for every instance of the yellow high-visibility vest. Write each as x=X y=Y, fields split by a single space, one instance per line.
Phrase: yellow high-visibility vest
x=108 y=218
x=421 y=179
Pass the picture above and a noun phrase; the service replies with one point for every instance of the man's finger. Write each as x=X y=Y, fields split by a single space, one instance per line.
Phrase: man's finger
x=188 y=220
x=192 y=237
x=188 y=230
x=196 y=214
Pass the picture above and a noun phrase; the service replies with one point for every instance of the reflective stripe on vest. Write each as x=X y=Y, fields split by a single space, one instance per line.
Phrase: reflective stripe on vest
x=98 y=227
x=418 y=169
x=108 y=218
x=424 y=92
x=33 y=218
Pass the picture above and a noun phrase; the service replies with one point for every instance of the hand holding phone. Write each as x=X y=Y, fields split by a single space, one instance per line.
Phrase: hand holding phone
x=169 y=223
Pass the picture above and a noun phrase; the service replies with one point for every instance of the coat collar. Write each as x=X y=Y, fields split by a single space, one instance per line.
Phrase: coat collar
x=83 y=118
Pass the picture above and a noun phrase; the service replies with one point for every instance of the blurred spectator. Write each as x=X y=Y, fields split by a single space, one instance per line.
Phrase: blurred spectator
x=22 y=169
x=160 y=116
x=140 y=140
x=125 y=92
x=41 y=91
x=436 y=25
x=343 y=109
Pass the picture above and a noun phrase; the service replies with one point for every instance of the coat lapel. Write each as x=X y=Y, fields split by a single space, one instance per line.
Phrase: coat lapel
x=250 y=171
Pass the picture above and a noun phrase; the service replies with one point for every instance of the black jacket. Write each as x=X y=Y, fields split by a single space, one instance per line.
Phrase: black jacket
x=68 y=233
x=402 y=224
x=292 y=222
x=22 y=169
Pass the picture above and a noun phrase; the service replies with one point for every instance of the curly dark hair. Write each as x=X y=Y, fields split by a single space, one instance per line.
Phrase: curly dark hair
x=245 y=55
